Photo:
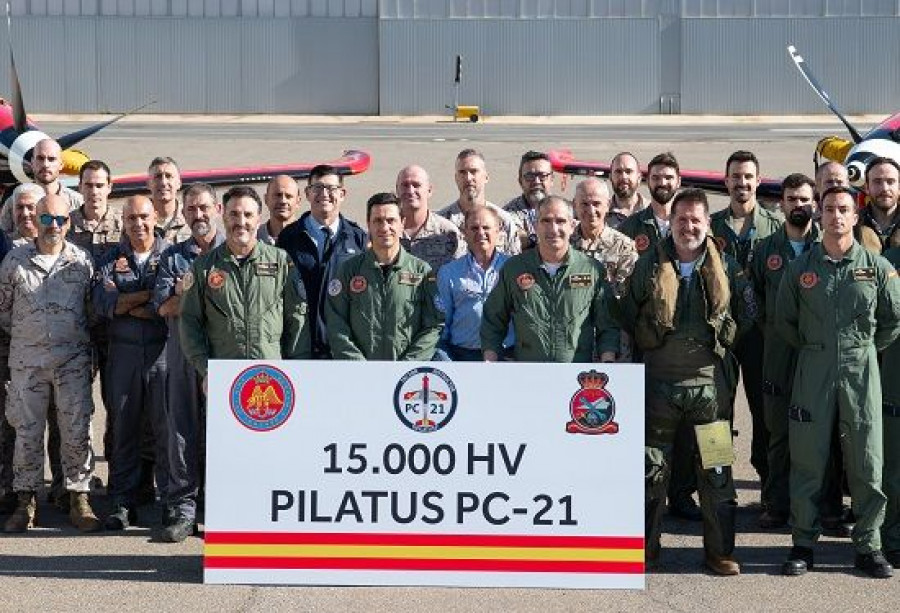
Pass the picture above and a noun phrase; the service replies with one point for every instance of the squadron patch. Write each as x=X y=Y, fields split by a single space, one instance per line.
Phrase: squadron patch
x=334 y=287
x=122 y=264
x=774 y=262
x=358 y=284
x=215 y=279
x=863 y=274
x=187 y=281
x=583 y=280
x=525 y=281
x=808 y=280
x=641 y=242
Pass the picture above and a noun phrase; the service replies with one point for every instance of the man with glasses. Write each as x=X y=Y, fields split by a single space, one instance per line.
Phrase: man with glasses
x=536 y=181
x=44 y=308
x=318 y=242
x=136 y=371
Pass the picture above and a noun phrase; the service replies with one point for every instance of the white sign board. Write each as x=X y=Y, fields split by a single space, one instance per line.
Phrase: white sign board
x=450 y=473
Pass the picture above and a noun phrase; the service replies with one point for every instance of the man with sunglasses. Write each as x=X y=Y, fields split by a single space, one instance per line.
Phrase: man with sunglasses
x=536 y=181
x=44 y=308
x=318 y=242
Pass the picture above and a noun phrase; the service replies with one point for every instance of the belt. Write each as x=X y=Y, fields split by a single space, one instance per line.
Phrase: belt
x=796 y=413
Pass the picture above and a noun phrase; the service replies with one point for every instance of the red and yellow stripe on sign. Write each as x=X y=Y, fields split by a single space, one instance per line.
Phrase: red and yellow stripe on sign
x=407 y=552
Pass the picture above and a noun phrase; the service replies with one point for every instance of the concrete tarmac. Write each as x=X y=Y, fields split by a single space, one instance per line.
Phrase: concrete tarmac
x=55 y=568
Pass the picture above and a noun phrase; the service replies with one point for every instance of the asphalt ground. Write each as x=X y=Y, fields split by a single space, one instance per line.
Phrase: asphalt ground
x=55 y=568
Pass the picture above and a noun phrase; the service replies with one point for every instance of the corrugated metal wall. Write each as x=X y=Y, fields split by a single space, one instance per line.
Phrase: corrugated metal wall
x=264 y=65
x=520 y=67
x=741 y=66
x=531 y=57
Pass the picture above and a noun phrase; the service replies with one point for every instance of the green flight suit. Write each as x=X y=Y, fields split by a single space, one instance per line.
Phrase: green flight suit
x=253 y=309
x=749 y=351
x=383 y=313
x=641 y=227
x=684 y=347
x=765 y=269
x=890 y=391
x=838 y=315
x=564 y=318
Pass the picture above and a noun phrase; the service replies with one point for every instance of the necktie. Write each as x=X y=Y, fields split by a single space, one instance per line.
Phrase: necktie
x=326 y=243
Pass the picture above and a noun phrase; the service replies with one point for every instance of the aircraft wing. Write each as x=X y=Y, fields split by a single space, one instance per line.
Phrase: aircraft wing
x=352 y=162
x=564 y=162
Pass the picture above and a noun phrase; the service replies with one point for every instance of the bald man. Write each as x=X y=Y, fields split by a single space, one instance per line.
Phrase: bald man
x=136 y=372
x=44 y=309
x=426 y=235
x=46 y=164
x=283 y=201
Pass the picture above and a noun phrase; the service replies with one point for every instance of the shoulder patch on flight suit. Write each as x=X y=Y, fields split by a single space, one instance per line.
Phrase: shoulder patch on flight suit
x=808 y=280
x=267 y=269
x=409 y=278
x=774 y=262
x=582 y=280
x=122 y=264
x=863 y=274
x=525 y=281
x=187 y=281
x=641 y=242
x=215 y=279
x=358 y=284
x=334 y=287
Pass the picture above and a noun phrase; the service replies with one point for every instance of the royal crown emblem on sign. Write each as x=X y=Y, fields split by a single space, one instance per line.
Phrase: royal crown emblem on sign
x=592 y=407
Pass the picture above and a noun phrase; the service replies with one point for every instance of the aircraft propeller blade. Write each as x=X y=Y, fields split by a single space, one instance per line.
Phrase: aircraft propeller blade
x=19 y=119
x=68 y=140
x=808 y=75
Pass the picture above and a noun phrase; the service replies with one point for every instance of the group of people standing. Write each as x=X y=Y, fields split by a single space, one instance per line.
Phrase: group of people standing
x=801 y=301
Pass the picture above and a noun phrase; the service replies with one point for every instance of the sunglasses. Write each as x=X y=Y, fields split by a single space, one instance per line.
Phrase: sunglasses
x=47 y=219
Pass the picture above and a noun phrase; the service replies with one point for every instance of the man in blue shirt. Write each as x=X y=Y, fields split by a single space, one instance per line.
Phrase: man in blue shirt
x=464 y=285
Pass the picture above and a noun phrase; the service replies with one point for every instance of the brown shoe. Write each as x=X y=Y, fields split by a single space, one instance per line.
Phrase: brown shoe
x=22 y=518
x=725 y=566
x=81 y=515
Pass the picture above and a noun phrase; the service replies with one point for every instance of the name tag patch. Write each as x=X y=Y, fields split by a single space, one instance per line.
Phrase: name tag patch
x=583 y=280
x=409 y=278
x=863 y=274
x=266 y=269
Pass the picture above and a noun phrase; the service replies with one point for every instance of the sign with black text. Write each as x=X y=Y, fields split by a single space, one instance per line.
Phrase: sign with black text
x=446 y=473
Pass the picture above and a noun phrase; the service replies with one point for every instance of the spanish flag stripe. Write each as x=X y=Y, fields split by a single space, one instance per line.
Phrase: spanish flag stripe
x=419 y=552
x=427 y=540
x=406 y=564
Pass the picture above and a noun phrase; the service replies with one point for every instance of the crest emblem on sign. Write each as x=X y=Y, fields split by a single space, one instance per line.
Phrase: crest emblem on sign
x=774 y=262
x=262 y=398
x=592 y=407
x=808 y=280
x=215 y=279
x=358 y=284
x=525 y=281
x=425 y=399
x=641 y=242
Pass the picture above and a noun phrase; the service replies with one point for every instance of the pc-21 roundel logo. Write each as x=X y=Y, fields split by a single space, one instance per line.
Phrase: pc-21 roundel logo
x=262 y=398
x=425 y=399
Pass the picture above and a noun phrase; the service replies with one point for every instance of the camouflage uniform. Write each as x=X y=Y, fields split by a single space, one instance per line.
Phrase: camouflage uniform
x=46 y=312
x=525 y=217
x=7 y=214
x=508 y=242
x=437 y=242
x=136 y=371
x=175 y=229
x=613 y=250
x=184 y=391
